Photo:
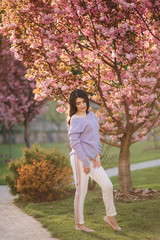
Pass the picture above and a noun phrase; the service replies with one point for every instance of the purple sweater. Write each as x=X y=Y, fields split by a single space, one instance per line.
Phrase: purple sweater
x=84 y=137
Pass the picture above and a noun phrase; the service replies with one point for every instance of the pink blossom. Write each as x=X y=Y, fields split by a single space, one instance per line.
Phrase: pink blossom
x=31 y=78
x=128 y=48
x=118 y=65
x=64 y=88
x=60 y=109
x=97 y=61
x=131 y=56
x=61 y=102
x=113 y=138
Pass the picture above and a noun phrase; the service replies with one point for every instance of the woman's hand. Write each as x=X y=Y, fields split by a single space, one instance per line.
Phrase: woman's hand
x=87 y=169
x=96 y=161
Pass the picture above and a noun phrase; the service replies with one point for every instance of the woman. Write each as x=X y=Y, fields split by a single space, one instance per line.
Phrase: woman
x=85 y=159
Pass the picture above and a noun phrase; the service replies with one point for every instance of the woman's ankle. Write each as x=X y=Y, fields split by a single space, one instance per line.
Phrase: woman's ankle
x=79 y=225
x=82 y=227
x=111 y=218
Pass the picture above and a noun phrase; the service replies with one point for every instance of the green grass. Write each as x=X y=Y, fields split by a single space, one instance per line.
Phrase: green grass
x=143 y=178
x=18 y=147
x=144 y=151
x=139 y=221
x=140 y=152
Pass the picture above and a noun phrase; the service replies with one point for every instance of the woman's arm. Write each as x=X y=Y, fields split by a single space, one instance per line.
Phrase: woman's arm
x=100 y=148
x=76 y=128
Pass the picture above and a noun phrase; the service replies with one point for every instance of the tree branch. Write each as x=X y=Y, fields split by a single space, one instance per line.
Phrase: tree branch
x=111 y=144
x=146 y=24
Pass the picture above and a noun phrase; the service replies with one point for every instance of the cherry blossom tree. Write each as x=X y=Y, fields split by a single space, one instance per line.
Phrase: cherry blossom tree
x=108 y=48
x=17 y=103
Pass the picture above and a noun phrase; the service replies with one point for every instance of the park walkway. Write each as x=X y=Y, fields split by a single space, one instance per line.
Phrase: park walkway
x=16 y=225
x=153 y=163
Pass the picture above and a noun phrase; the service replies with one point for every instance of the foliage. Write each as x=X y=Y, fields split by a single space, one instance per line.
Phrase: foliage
x=115 y=44
x=109 y=48
x=39 y=175
x=12 y=176
x=41 y=181
x=3 y=170
x=17 y=101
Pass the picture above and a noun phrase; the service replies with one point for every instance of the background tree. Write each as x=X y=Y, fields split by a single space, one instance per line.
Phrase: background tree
x=108 y=48
x=53 y=116
x=17 y=103
x=155 y=137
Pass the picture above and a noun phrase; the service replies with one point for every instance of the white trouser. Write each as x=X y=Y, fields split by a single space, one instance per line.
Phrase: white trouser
x=81 y=181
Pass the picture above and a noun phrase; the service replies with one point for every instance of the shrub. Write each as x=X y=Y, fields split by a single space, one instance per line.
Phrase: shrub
x=39 y=175
x=12 y=176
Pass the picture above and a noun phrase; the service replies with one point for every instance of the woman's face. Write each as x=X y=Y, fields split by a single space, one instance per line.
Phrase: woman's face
x=81 y=105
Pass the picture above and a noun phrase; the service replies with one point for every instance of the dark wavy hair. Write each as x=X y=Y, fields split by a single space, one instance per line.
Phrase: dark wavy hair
x=72 y=102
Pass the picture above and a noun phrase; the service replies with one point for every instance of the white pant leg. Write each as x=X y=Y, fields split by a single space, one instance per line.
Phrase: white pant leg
x=81 y=182
x=100 y=177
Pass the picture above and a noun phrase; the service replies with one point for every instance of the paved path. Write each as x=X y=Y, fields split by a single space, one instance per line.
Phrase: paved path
x=16 y=225
x=114 y=171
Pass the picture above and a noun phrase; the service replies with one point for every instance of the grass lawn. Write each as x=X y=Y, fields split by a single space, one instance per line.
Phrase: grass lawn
x=143 y=178
x=144 y=151
x=140 y=152
x=18 y=148
x=139 y=221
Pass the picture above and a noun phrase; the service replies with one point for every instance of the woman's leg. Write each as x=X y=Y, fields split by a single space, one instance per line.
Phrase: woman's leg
x=100 y=177
x=81 y=182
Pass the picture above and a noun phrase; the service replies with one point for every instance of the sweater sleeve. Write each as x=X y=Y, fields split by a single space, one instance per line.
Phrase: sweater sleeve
x=100 y=148
x=76 y=128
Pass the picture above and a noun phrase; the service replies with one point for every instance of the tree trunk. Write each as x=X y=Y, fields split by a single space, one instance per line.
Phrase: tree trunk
x=26 y=132
x=10 y=145
x=91 y=184
x=124 y=168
